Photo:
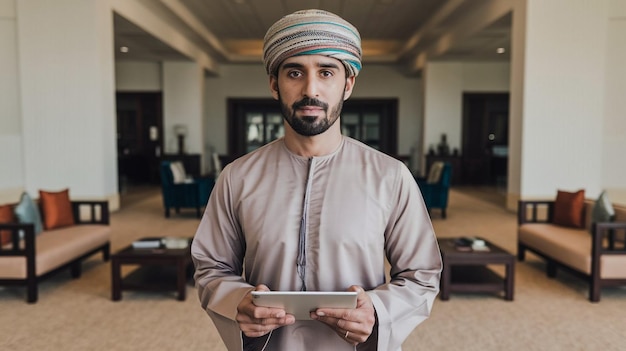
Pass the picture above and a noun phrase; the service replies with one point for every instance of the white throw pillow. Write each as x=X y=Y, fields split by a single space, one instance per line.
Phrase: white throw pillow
x=435 y=173
x=178 y=172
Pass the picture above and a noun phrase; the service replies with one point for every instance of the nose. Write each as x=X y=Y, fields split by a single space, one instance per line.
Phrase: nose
x=311 y=86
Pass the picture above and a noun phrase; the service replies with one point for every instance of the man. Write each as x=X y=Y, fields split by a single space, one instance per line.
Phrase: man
x=315 y=211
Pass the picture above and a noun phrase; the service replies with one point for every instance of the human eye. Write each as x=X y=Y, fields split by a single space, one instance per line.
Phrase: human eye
x=327 y=73
x=294 y=74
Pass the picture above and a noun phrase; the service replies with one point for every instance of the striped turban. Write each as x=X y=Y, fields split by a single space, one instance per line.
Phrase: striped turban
x=312 y=32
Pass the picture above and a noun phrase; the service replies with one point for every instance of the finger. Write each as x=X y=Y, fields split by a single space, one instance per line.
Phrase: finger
x=261 y=287
x=334 y=314
x=243 y=318
x=254 y=330
x=352 y=338
x=259 y=327
x=356 y=288
x=260 y=312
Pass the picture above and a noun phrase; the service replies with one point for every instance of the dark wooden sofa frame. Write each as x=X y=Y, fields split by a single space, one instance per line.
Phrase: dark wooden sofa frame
x=604 y=242
x=27 y=248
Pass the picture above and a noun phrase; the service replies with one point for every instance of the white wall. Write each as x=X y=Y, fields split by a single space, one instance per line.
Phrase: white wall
x=445 y=83
x=238 y=81
x=563 y=97
x=183 y=94
x=138 y=76
x=66 y=74
x=11 y=156
x=443 y=96
x=385 y=82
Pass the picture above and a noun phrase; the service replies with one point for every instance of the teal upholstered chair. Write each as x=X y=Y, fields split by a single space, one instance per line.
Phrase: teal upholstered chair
x=180 y=191
x=436 y=186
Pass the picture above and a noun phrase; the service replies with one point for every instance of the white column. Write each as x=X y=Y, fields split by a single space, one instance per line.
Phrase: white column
x=516 y=101
x=560 y=99
x=65 y=51
x=11 y=158
x=614 y=131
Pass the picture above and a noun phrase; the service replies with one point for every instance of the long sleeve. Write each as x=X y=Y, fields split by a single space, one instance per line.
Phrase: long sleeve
x=217 y=252
x=412 y=250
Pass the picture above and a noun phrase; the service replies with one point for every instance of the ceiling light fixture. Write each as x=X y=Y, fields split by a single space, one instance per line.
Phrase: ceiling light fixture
x=124 y=49
x=500 y=50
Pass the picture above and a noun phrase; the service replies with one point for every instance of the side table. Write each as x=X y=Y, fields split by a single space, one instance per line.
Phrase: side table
x=160 y=269
x=466 y=271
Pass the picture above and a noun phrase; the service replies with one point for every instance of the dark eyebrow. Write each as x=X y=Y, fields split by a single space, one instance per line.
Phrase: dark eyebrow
x=291 y=65
x=298 y=65
x=328 y=65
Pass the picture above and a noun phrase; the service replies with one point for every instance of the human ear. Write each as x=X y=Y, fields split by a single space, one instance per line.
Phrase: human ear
x=274 y=86
x=350 y=81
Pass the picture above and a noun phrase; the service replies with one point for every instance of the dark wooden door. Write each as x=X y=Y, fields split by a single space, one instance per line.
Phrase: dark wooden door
x=139 y=137
x=485 y=138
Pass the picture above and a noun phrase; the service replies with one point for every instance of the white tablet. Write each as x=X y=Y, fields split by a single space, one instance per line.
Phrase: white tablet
x=301 y=303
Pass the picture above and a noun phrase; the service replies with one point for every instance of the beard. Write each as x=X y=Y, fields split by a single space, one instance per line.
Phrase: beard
x=310 y=125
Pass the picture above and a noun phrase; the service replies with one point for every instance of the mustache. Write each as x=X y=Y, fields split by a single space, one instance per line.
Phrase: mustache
x=309 y=102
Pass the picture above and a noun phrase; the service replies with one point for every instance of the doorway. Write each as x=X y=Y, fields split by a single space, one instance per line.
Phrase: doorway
x=485 y=139
x=139 y=138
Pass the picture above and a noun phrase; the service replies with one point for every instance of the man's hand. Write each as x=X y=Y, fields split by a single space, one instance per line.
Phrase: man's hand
x=353 y=325
x=255 y=321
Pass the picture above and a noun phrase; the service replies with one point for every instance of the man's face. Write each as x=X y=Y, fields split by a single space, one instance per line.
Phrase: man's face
x=311 y=90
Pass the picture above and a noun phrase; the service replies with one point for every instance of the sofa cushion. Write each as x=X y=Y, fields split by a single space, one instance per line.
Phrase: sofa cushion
x=568 y=209
x=6 y=216
x=26 y=211
x=56 y=208
x=602 y=209
x=570 y=246
x=55 y=248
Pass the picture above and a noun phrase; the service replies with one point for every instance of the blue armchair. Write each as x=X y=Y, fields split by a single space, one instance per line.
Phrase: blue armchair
x=180 y=191
x=436 y=186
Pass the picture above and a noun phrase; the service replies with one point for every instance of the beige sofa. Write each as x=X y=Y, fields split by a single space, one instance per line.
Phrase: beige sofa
x=29 y=260
x=596 y=252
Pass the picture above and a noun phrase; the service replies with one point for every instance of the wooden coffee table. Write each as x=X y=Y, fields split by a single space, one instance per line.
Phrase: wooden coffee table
x=160 y=269
x=467 y=271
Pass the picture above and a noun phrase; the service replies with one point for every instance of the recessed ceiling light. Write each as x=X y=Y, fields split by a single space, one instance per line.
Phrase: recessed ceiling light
x=500 y=50
x=124 y=49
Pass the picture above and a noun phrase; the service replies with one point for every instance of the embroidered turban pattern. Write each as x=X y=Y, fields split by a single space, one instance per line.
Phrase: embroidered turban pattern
x=312 y=32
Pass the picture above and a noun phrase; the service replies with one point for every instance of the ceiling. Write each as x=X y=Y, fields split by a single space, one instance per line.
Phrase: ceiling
x=392 y=31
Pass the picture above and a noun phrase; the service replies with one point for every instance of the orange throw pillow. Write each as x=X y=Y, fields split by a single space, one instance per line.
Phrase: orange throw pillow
x=568 y=209
x=56 y=209
x=6 y=216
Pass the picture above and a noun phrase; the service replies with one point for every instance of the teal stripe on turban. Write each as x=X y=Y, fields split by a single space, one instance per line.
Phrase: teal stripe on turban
x=312 y=32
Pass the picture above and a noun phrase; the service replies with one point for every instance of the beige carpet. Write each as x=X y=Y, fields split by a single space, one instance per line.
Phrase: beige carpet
x=79 y=315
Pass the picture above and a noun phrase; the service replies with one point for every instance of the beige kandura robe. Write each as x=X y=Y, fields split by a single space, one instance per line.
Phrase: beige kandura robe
x=354 y=206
